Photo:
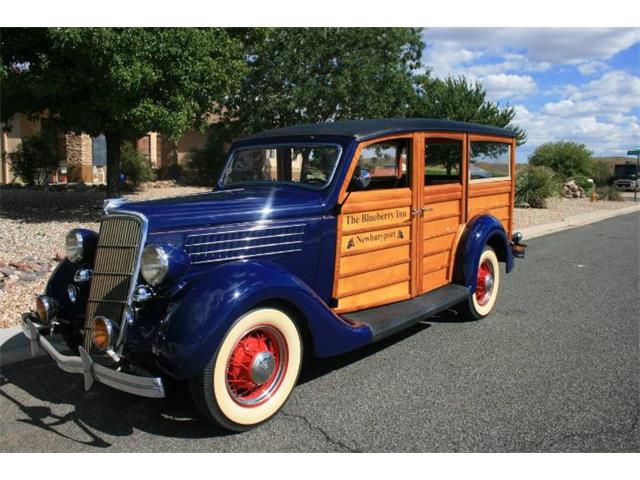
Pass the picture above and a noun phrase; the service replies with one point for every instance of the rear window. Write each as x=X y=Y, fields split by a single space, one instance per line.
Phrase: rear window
x=489 y=160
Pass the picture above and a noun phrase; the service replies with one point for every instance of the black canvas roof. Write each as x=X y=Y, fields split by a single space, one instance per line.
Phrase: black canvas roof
x=364 y=129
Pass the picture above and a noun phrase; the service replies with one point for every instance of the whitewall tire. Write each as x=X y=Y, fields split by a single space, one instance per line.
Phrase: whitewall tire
x=253 y=373
x=481 y=303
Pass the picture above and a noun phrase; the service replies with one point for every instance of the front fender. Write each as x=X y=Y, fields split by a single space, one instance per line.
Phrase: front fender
x=480 y=231
x=215 y=298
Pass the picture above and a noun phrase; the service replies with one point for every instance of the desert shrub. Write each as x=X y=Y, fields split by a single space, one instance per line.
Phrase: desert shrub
x=601 y=172
x=534 y=185
x=33 y=158
x=134 y=166
x=568 y=159
x=173 y=171
x=609 y=192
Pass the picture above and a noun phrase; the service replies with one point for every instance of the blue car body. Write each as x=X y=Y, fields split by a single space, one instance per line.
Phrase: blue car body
x=177 y=333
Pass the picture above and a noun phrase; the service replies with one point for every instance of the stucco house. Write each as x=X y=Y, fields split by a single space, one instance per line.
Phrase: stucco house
x=84 y=157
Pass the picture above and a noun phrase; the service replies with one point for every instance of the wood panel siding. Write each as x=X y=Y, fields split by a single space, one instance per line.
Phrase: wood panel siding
x=373 y=261
x=493 y=198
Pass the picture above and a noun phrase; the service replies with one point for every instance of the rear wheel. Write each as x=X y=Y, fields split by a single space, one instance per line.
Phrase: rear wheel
x=481 y=303
x=253 y=373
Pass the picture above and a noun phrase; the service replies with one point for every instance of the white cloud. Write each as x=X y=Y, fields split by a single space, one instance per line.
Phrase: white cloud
x=553 y=45
x=603 y=114
x=511 y=62
x=615 y=92
x=592 y=67
x=601 y=107
x=509 y=86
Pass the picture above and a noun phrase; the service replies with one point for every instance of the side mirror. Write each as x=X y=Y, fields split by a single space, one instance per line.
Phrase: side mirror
x=361 y=180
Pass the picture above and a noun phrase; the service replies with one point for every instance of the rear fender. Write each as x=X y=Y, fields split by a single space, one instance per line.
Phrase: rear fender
x=213 y=301
x=482 y=230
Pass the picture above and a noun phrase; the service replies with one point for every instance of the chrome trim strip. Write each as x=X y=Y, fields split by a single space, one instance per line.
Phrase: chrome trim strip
x=257 y=228
x=242 y=257
x=151 y=387
x=245 y=239
x=246 y=248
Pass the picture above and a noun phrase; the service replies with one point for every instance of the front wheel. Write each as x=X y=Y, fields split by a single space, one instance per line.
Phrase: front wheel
x=481 y=303
x=252 y=374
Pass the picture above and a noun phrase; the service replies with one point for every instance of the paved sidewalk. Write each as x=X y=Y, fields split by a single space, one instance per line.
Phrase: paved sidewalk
x=575 y=221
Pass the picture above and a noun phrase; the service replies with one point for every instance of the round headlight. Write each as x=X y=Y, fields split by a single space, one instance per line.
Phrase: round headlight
x=154 y=265
x=102 y=333
x=73 y=246
x=46 y=308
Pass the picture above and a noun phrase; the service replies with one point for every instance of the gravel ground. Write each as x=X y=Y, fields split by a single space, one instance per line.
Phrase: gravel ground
x=33 y=225
x=559 y=209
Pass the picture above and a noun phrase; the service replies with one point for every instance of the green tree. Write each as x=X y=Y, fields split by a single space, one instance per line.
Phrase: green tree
x=601 y=172
x=456 y=98
x=122 y=82
x=300 y=75
x=566 y=158
x=308 y=75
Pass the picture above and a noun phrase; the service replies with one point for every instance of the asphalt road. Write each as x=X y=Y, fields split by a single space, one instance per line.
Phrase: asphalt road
x=555 y=368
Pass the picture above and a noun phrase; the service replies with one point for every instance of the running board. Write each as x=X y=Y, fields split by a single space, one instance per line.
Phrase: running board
x=392 y=318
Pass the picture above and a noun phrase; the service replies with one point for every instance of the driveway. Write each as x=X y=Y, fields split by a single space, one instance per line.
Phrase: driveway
x=555 y=368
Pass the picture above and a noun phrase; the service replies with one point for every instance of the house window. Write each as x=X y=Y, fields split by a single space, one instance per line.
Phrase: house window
x=99 y=151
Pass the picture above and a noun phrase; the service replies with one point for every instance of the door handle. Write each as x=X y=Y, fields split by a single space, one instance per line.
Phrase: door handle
x=419 y=212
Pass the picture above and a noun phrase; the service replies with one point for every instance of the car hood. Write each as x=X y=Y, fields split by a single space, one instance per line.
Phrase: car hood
x=228 y=206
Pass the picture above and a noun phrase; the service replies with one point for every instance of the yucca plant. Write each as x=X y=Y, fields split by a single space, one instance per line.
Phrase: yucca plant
x=534 y=185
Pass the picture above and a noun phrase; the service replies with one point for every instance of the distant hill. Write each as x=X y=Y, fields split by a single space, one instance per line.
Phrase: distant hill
x=614 y=160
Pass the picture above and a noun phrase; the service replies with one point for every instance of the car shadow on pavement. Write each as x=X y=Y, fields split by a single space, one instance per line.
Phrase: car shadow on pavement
x=56 y=402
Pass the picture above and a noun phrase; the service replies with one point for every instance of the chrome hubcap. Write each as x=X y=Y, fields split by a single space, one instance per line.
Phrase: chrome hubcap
x=262 y=367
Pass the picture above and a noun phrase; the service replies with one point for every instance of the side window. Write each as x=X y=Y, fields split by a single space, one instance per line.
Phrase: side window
x=387 y=164
x=442 y=161
x=489 y=160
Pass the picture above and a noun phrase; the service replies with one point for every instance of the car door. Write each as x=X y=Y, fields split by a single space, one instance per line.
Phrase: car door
x=377 y=227
x=443 y=205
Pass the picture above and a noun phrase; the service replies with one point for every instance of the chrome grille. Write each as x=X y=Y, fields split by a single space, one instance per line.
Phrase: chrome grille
x=115 y=270
x=247 y=242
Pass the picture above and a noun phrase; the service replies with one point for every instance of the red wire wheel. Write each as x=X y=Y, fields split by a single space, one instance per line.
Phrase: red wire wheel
x=485 y=282
x=256 y=366
x=250 y=376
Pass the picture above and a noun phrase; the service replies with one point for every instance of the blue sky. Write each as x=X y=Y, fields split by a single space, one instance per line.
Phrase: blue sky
x=578 y=84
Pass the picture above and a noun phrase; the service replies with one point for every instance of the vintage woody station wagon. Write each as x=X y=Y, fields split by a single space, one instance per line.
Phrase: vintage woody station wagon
x=317 y=238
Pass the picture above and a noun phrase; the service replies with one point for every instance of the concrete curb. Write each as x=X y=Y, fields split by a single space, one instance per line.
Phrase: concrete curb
x=14 y=346
x=575 y=221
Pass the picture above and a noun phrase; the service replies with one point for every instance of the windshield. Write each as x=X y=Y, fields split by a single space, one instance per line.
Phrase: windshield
x=310 y=166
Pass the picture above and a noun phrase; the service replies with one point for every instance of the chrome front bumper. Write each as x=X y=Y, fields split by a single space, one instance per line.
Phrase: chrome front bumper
x=143 y=386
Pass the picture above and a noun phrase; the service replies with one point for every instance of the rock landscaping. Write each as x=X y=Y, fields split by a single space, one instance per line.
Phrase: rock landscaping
x=572 y=190
x=33 y=224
